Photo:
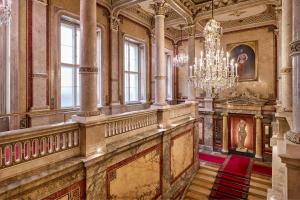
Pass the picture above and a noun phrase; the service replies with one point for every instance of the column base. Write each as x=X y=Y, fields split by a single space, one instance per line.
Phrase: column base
x=84 y=120
x=160 y=106
x=224 y=151
x=258 y=157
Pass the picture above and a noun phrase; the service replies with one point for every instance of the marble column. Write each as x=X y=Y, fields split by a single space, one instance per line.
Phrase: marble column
x=258 y=152
x=278 y=33
x=88 y=69
x=294 y=134
x=225 y=133
x=286 y=67
x=160 y=77
x=191 y=61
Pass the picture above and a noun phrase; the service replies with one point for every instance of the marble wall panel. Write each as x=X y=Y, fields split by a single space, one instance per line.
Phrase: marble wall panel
x=182 y=153
x=138 y=177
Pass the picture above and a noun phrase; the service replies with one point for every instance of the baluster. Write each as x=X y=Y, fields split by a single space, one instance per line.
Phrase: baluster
x=17 y=152
x=70 y=139
x=50 y=144
x=76 y=138
x=57 y=142
x=64 y=141
x=43 y=144
x=8 y=154
x=26 y=150
x=34 y=148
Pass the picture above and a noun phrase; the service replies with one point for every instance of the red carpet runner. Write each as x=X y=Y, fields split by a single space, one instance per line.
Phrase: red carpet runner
x=233 y=179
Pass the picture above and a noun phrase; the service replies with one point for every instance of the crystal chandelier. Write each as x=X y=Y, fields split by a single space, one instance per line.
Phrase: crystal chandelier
x=181 y=59
x=5 y=12
x=213 y=71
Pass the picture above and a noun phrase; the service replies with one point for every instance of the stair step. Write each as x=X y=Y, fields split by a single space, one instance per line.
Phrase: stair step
x=215 y=169
x=251 y=197
x=259 y=186
x=231 y=184
x=261 y=180
x=216 y=195
x=199 y=190
x=205 y=178
x=230 y=191
x=195 y=196
x=257 y=193
x=207 y=172
x=203 y=184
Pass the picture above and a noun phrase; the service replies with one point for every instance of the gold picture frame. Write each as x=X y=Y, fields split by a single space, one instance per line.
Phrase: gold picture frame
x=246 y=55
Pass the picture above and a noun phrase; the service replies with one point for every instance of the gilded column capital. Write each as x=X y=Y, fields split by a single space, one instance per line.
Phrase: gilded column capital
x=114 y=23
x=259 y=116
x=224 y=114
x=295 y=47
x=191 y=30
x=160 y=7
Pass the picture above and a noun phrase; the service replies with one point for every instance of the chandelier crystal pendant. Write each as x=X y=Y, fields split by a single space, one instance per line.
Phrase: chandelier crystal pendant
x=181 y=59
x=213 y=71
x=5 y=12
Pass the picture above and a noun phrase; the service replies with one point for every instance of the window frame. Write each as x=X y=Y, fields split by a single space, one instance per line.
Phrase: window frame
x=169 y=75
x=72 y=21
x=142 y=63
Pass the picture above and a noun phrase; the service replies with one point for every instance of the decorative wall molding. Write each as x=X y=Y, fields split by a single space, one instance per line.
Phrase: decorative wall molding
x=293 y=137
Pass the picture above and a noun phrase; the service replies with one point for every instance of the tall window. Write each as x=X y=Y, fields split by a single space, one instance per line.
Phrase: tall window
x=134 y=71
x=169 y=79
x=70 y=50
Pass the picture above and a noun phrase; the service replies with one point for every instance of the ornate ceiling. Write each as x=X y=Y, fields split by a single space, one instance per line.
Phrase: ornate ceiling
x=231 y=13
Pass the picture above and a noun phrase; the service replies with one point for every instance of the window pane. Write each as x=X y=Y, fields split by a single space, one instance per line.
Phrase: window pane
x=126 y=56
x=77 y=46
x=126 y=87
x=66 y=35
x=77 y=87
x=134 y=58
x=134 y=87
x=67 y=87
x=67 y=44
x=67 y=55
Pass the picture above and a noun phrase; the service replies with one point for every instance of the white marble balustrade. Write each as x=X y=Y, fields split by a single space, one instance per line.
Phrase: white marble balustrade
x=120 y=124
x=20 y=146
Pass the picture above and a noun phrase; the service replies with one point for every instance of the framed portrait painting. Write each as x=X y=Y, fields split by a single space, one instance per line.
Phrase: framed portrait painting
x=245 y=55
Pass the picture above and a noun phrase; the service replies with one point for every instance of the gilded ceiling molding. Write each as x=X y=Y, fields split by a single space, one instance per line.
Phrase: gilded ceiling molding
x=106 y=4
x=139 y=16
x=204 y=10
x=182 y=11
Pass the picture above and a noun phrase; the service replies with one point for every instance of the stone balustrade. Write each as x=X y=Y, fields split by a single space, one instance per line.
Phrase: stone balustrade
x=21 y=147
x=119 y=124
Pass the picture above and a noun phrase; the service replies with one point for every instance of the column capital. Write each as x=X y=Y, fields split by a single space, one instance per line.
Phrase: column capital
x=159 y=7
x=114 y=23
x=295 y=47
x=224 y=114
x=259 y=116
x=191 y=29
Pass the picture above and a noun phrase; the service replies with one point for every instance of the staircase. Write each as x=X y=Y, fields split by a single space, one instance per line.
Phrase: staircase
x=202 y=185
